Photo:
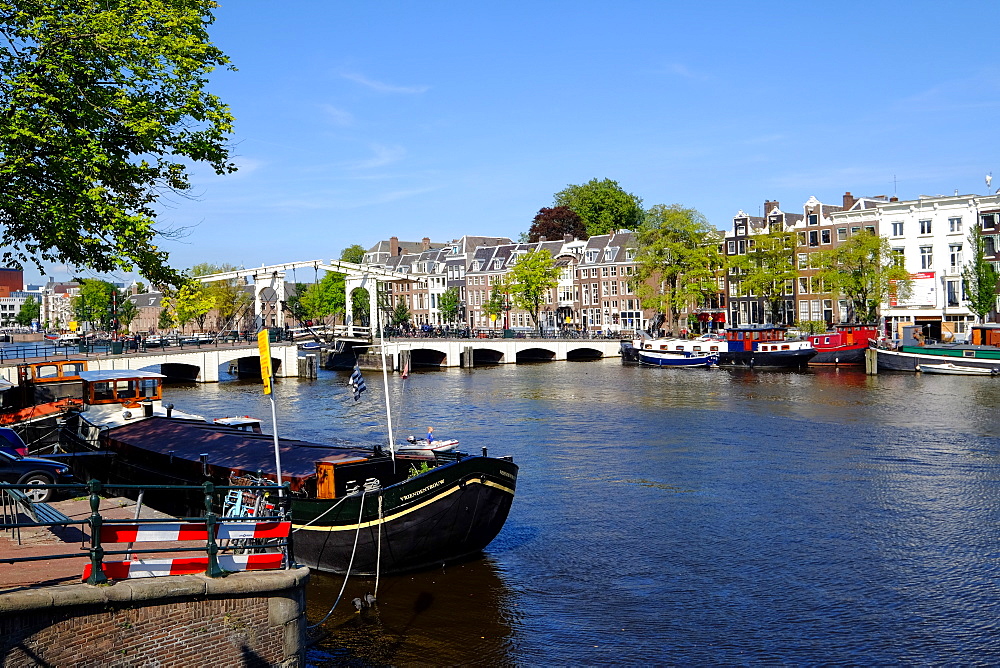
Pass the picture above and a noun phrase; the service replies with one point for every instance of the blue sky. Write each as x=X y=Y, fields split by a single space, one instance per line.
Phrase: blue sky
x=357 y=121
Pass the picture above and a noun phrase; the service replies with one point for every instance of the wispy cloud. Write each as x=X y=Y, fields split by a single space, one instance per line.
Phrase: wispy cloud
x=685 y=72
x=383 y=87
x=337 y=116
x=382 y=155
x=338 y=201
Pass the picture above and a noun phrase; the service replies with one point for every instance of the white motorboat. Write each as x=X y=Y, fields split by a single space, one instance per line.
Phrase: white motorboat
x=956 y=370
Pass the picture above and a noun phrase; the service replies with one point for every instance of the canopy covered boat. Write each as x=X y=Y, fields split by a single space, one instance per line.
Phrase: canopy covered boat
x=756 y=346
x=353 y=508
x=43 y=394
x=982 y=352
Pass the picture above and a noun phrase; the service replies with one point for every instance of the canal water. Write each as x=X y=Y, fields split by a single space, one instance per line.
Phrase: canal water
x=682 y=516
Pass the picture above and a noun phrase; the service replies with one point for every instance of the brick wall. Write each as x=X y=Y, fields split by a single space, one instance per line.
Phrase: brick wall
x=243 y=619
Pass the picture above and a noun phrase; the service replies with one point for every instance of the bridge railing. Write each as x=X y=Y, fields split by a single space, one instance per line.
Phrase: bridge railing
x=491 y=333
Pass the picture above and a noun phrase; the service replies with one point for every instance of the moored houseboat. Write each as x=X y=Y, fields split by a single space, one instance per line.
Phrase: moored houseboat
x=844 y=345
x=981 y=352
x=357 y=509
x=763 y=346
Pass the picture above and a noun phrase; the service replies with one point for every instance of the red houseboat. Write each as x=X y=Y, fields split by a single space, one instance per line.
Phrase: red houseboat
x=844 y=346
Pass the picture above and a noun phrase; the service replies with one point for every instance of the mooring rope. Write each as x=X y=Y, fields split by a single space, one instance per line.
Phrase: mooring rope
x=347 y=575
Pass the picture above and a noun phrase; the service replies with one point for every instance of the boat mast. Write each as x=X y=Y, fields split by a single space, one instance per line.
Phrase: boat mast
x=385 y=374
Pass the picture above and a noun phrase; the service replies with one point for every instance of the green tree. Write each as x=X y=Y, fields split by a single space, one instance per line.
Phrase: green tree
x=449 y=304
x=29 y=311
x=603 y=206
x=768 y=270
x=127 y=312
x=677 y=261
x=104 y=108
x=980 y=277
x=93 y=303
x=188 y=303
x=496 y=303
x=353 y=253
x=400 y=314
x=865 y=270
x=165 y=320
x=531 y=279
x=229 y=297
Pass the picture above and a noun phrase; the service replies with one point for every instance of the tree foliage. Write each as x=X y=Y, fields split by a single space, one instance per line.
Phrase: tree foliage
x=864 y=270
x=188 y=303
x=530 y=280
x=677 y=261
x=767 y=269
x=30 y=310
x=980 y=277
x=93 y=303
x=603 y=206
x=103 y=109
x=229 y=297
x=552 y=223
x=449 y=305
x=496 y=303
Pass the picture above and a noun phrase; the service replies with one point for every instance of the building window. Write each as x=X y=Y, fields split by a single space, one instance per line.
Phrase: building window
x=926 y=257
x=813 y=219
x=897 y=229
x=898 y=257
x=813 y=238
x=731 y=248
x=841 y=234
x=988 y=220
x=925 y=227
x=741 y=230
x=953 y=293
x=825 y=235
x=955 y=257
x=803 y=285
x=803 y=260
x=954 y=224
x=855 y=230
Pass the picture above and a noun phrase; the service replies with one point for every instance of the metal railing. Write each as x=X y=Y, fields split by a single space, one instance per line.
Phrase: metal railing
x=213 y=497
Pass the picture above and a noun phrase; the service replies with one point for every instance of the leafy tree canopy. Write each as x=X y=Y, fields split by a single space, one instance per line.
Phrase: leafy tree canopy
x=449 y=305
x=603 y=206
x=30 y=310
x=531 y=278
x=677 y=260
x=552 y=223
x=863 y=269
x=767 y=269
x=103 y=107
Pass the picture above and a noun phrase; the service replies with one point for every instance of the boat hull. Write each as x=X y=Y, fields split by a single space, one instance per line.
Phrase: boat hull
x=905 y=360
x=439 y=517
x=852 y=356
x=673 y=360
x=778 y=359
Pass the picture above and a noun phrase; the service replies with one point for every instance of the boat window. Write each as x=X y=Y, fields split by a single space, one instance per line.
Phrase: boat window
x=46 y=371
x=102 y=391
x=147 y=389
x=714 y=348
x=968 y=353
x=784 y=347
x=73 y=368
x=696 y=348
x=127 y=389
x=755 y=335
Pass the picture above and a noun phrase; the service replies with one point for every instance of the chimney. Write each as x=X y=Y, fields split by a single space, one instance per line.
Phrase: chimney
x=568 y=237
x=425 y=243
x=893 y=199
x=848 y=200
x=393 y=246
x=543 y=238
x=768 y=205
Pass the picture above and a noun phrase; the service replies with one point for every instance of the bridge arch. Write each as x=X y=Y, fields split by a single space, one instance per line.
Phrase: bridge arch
x=535 y=355
x=584 y=353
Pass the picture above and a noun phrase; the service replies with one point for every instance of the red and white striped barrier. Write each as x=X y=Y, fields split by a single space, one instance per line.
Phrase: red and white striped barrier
x=152 y=568
x=189 y=531
x=149 y=533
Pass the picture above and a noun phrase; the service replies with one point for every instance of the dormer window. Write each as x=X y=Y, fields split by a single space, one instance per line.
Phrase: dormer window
x=609 y=254
x=592 y=256
x=741 y=230
x=629 y=253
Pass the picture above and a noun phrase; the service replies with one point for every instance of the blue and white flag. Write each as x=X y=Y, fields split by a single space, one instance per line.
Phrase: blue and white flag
x=357 y=382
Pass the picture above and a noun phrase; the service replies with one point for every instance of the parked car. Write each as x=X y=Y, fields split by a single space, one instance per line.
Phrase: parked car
x=33 y=471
